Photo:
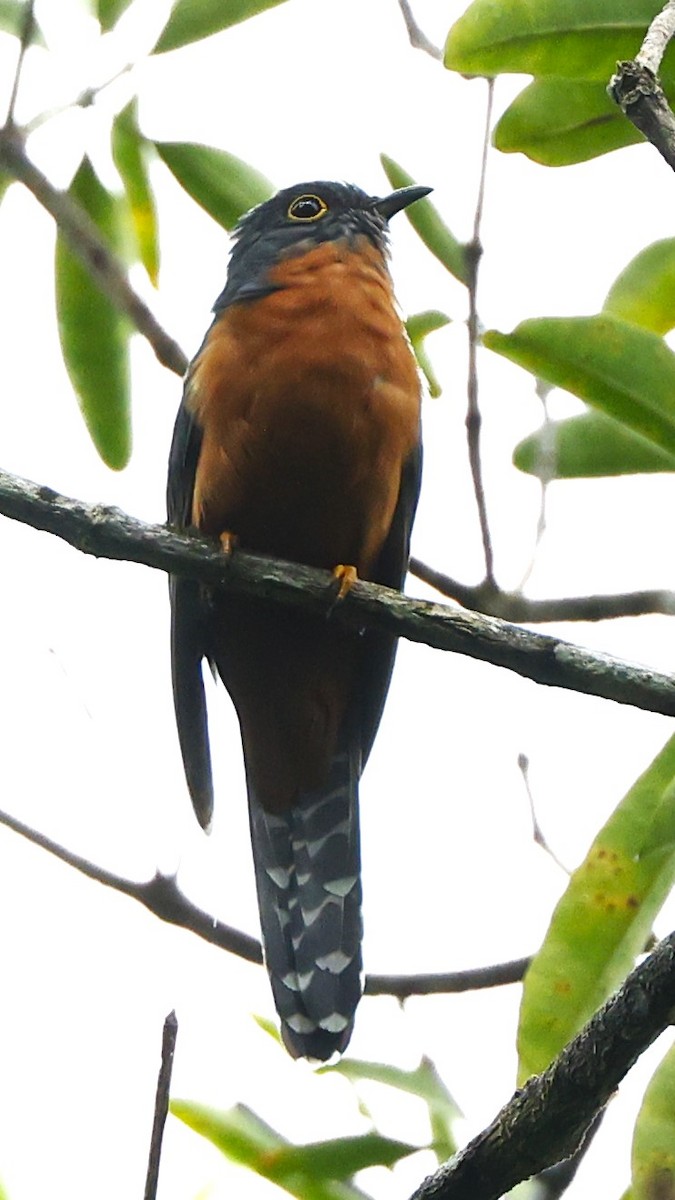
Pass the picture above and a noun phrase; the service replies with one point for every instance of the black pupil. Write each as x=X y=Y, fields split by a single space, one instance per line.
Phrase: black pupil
x=306 y=207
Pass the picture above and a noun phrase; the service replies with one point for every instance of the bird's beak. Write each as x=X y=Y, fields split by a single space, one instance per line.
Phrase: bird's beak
x=388 y=206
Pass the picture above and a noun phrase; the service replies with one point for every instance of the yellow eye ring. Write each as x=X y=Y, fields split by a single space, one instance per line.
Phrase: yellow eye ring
x=307 y=208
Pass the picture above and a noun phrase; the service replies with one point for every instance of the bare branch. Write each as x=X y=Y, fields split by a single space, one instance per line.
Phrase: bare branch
x=86 y=242
x=418 y=39
x=512 y=606
x=162 y=897
x=169 y=1035
x=547 y=1119
x=109 y=533
x=474 y=251
x=636 y=88
x=24 y=42
x=471 y=980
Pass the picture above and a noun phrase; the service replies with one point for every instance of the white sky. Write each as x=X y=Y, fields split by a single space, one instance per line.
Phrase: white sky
x=89 y=756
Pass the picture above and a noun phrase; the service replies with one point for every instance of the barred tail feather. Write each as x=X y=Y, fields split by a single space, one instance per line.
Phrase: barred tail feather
x=307 y=865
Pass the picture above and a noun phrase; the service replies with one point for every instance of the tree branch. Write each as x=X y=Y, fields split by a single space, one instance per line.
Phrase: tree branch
x=86 y=242
x=471 y=980
x=513 y=606
x=164 y=899
x=169 y=1035
x=109 y=533
x=473 y=420
x=547 y=1120
x=24 y=42
x=636 y=88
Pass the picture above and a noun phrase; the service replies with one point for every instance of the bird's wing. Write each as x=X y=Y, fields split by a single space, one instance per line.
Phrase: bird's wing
x=188 y=639
x=379 y=649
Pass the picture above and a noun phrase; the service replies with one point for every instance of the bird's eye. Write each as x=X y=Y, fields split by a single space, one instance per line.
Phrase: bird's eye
x=307 y=208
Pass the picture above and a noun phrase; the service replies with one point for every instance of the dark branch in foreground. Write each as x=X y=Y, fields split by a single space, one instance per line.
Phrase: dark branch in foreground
x=547 y=1120
x=513 y=606
x=162 y=897
x=109 y=533
x=636 y=88
x=169 y=1034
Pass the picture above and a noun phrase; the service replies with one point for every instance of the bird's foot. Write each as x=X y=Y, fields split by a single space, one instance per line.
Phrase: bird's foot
x=345 y=577
x=228 y=542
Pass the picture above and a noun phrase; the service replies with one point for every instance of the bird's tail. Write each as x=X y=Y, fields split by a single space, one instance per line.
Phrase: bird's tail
x=307 y=866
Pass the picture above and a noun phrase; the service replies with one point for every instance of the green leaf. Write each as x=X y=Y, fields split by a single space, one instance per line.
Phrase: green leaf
x=429 y=226
x=109 y=12
x=604 y=917
x=586 y=447
x=94 y=335
x=340 y=1158
x=424 y=1082
x=653 y=1152
x=243 y=1137
x=556 y=122
x=571 y=39
x=644 y=292
x=419 y=327
x=130 y=153
x=269 y=1027
x=625 y=371
x=224 y=185
x=239 y=1133
x=192 y=20
x=12 y=17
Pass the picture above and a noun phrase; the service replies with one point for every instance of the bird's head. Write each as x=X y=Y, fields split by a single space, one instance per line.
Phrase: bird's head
x=301 y=217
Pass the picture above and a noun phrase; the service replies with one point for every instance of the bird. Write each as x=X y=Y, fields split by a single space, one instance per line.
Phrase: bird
x=298 y=437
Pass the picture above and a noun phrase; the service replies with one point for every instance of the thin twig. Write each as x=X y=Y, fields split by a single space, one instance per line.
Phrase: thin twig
x=169 y=1035
x=547 y=1119
x=26 y=34
x=448 y=982
x=418 y=39
x=86 y=242
x=636 y=88
x=537 y=831
x=545 y=473
x=162 y=897
x=86 y=98
x=512 y=606
x=474 y=251
x=109 y=533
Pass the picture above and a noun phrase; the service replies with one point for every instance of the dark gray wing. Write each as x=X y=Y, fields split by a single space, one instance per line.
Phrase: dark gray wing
x=379 y=649
x=188 y=634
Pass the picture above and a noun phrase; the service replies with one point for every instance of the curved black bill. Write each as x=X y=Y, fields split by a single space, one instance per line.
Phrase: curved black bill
x=388 y=206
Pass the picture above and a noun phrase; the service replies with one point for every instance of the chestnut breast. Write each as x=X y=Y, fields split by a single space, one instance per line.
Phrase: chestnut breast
x=309 y=401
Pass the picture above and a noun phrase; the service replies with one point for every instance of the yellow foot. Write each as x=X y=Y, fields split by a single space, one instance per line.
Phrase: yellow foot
x=228 y=541
x=346 y=577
